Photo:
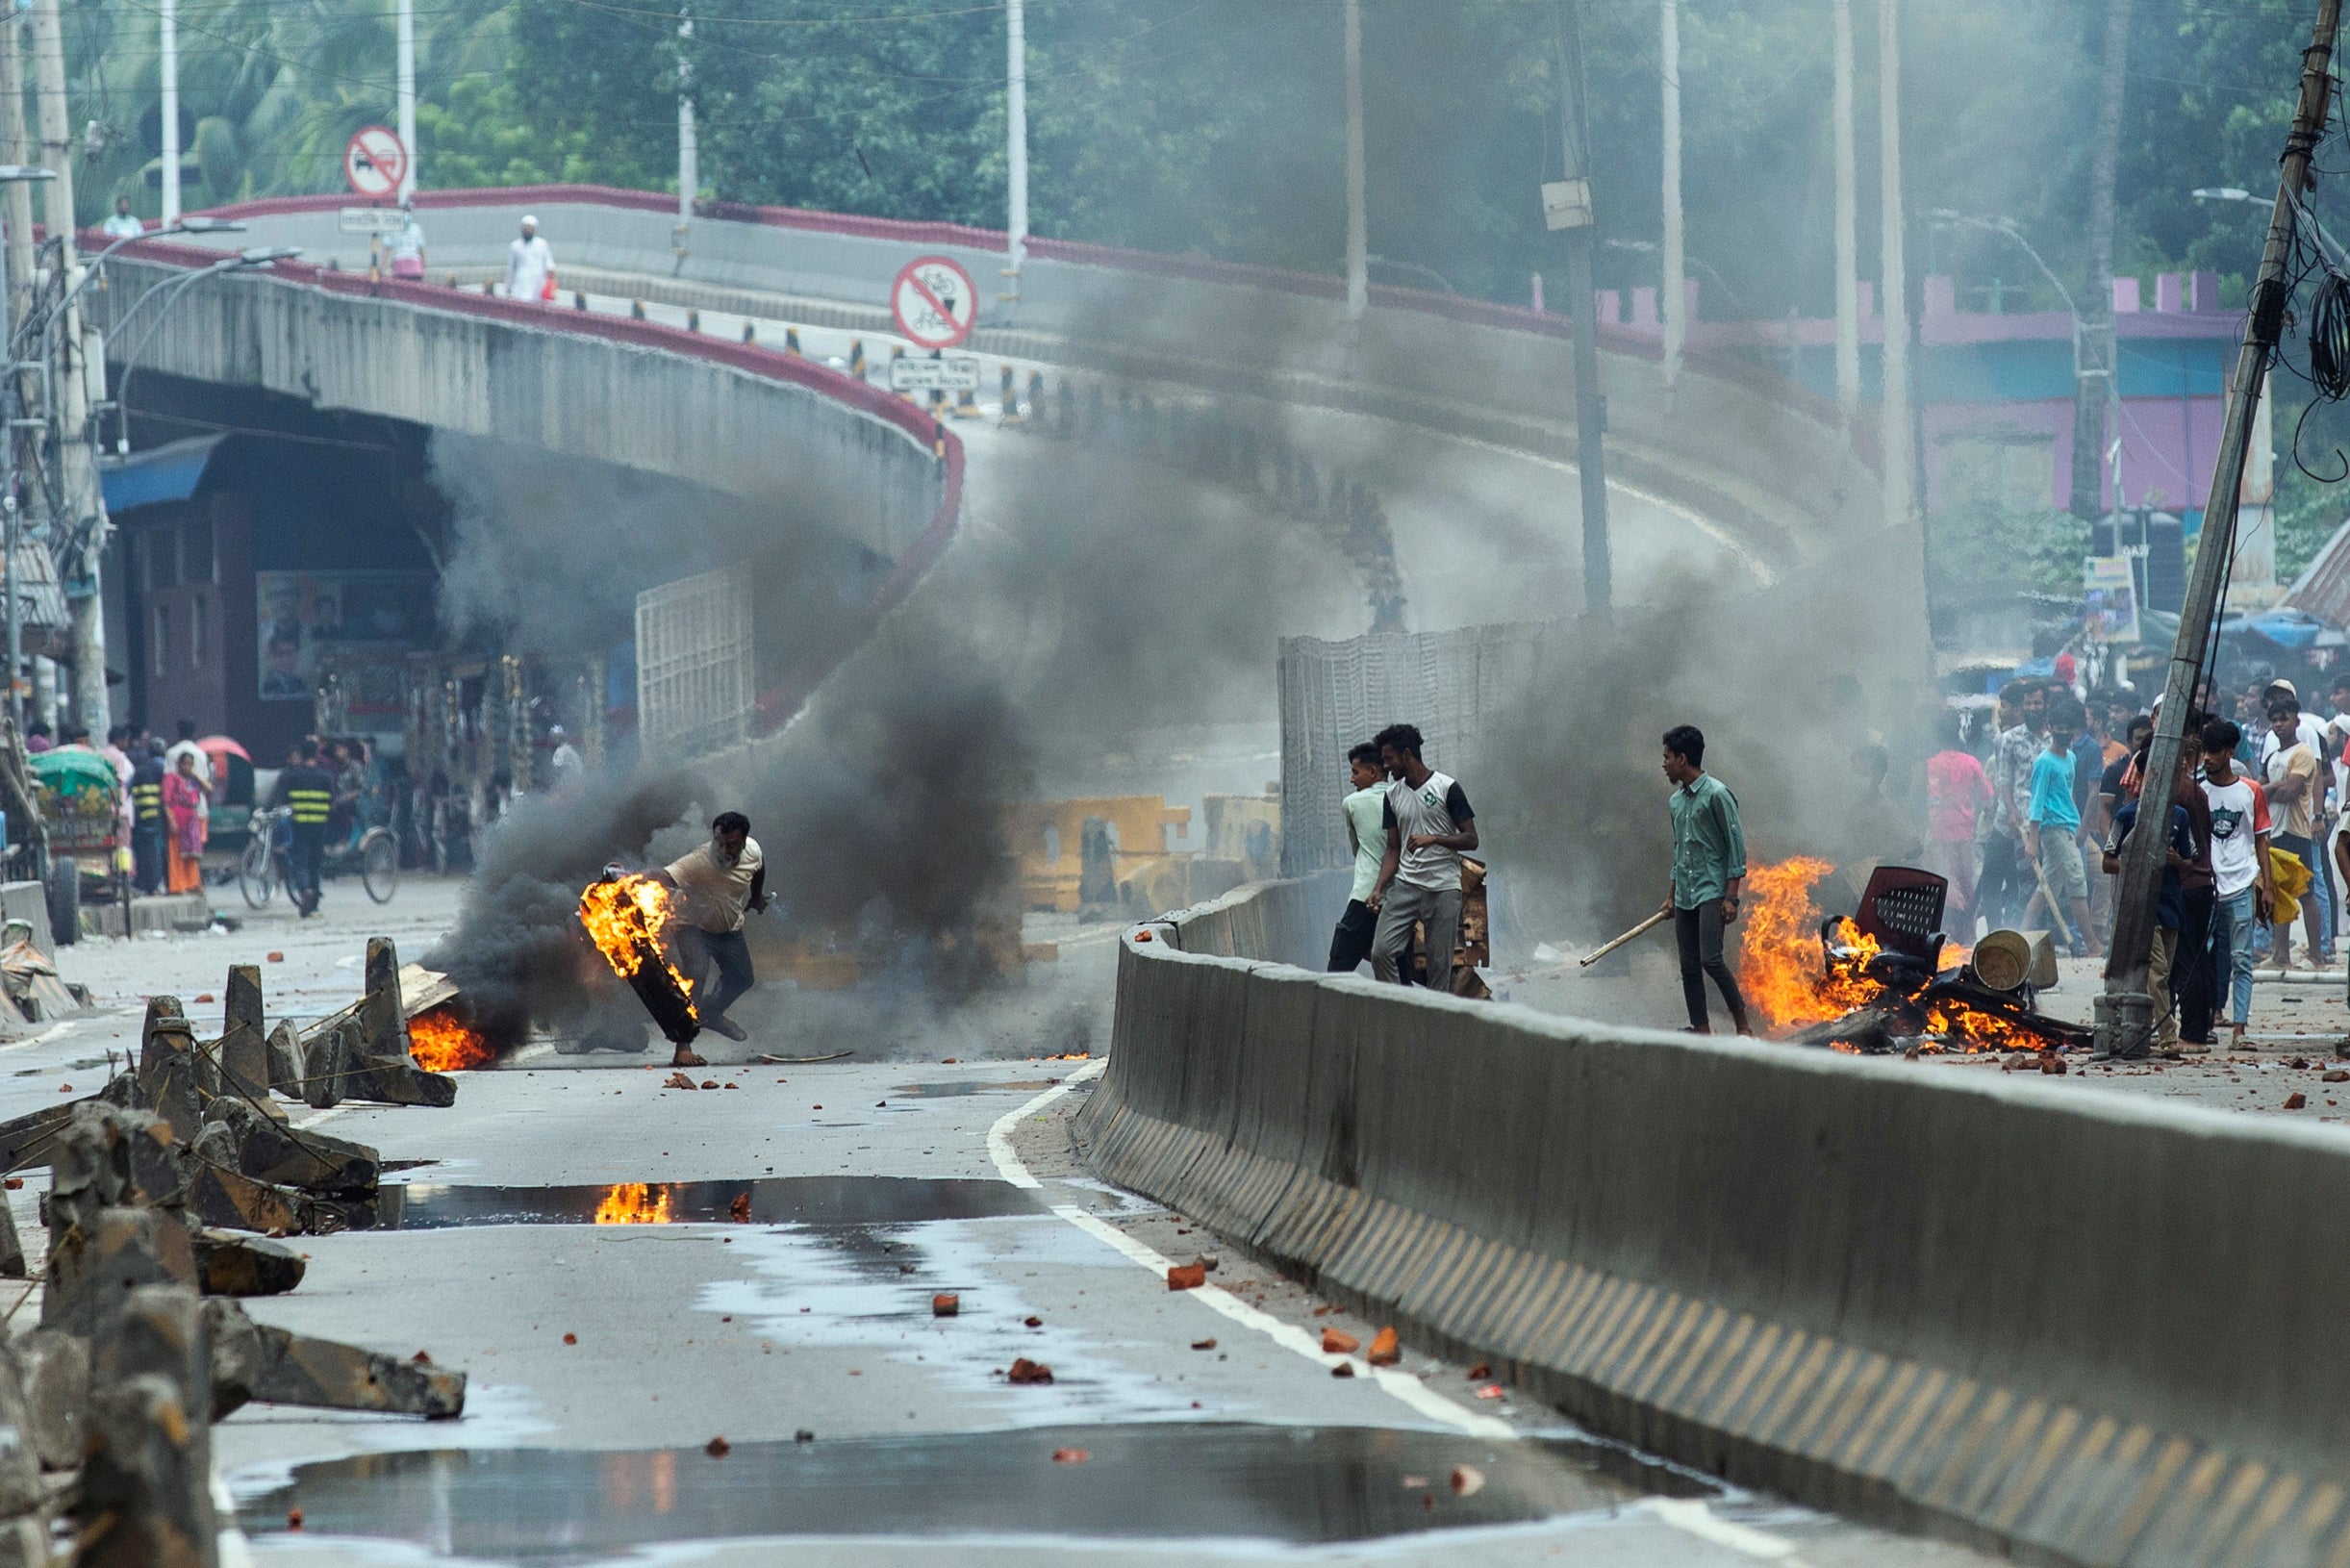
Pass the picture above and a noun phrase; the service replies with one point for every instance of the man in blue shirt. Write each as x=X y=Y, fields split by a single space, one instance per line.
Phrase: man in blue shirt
x=2052 y=834
x=1708 y=869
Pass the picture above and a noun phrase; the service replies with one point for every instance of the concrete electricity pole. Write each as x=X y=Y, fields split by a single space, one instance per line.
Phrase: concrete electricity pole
x=1016 y=133
x=82 y=531
x=2094 y=362
x=167 y=23
x=1893 y=307
x=405 y=43
x=15 y=147
x=1358 y=224
x=1675 y=300
x=2126 y=1013
x=1848 y=224
x=1567 y=206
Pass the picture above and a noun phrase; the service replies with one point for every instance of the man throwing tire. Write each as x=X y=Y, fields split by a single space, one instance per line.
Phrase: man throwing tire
x=717 y=883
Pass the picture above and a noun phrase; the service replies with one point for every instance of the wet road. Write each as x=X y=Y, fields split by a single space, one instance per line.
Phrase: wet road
x=569 y=1235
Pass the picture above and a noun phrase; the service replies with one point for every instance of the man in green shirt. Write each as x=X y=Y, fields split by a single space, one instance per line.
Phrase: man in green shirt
x=1708 y=866
x=1351 y=942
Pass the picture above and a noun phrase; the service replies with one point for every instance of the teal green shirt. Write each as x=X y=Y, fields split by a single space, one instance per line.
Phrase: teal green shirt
x=1708 y=845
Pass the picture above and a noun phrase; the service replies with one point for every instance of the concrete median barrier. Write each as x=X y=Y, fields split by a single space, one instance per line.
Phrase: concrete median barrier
x=2076 y=1327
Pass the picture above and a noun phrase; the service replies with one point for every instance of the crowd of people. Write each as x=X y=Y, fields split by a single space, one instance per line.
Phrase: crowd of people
x=2255 y=848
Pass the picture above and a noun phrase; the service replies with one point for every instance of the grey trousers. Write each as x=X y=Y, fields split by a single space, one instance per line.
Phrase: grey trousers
x=1404 y=904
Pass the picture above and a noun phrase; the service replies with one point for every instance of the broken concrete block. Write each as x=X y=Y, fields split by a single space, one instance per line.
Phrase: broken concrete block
x=12 y=1245
x=254 y=1361
x=397 y=1083
x=243 y=1048
x=218 y=1195
x=383 y=1021
x=144 y=1480
x=24 y=1543
x=26 y=1141
x=56 y=1368
x=285 y=1060
x=168 y=1067
x=324 y=1056
x=230 y=1265
x=93 y=1265
x=268 y=1150
x=106 y=1156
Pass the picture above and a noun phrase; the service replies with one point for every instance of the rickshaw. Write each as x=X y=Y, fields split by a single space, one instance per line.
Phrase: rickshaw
x=232 y=794
x=79 y=798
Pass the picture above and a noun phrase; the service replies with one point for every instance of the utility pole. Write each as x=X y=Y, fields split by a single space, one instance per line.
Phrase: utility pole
x=1675 y=300
x=82 y=531
x=1016 y=133
x=2125 y=1012
x=2094 y=386
x=15 y=147
x=167 y=24
x=1848 y=224
x=405 y=89
x=1894 y=307
x=1567 y=206
x=1358 y=224
x=689 y=144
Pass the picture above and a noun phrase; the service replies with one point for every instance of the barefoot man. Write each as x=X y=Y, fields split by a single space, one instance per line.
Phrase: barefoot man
x=716 y=883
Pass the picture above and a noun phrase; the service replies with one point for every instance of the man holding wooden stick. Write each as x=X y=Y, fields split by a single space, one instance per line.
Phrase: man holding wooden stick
x=1708 y=869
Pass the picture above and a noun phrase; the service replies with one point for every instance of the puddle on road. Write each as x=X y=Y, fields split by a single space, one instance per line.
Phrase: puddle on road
x=972 y=1086
x=1168 y=1480
x=803 y=1201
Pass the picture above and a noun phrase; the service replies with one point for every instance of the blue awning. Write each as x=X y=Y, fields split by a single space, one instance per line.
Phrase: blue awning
x=161 y=473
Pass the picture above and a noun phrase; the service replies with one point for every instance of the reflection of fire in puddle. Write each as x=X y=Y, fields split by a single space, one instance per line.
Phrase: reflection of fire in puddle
x=806 y=1200
x=1168 y=1480
x=972 y=1086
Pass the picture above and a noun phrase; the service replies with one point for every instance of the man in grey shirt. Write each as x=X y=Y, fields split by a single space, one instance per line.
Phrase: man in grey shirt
x=1429 y=823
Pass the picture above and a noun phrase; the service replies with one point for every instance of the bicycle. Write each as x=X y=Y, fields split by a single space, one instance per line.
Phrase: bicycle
x=268 y=859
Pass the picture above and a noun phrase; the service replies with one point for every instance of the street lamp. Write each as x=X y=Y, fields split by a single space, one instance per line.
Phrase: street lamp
x=244 y=261
x=198 y=224
x=1944 y=217
x=2326 y=241
x=11 y=174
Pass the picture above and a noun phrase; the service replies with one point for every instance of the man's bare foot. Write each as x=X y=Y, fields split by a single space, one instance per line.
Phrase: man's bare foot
x=687 y=1058
x=726 y=1027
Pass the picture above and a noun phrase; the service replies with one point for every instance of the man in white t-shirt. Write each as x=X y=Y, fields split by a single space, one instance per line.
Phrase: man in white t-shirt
x=2318 y=734
x=719 y=882
x=2240 y=869
x=1429 y=823
x=1364 y=812
x=2296 y=791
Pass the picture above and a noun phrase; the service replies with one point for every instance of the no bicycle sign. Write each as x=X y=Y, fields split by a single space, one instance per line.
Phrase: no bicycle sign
x=934 y=302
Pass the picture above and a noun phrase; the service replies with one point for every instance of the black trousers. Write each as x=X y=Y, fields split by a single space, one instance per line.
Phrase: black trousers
x=305 y=853
x=2006 y=882
x=147 y=856
x=1351 y=942
x=697 y=951
x=2192 y=982
x=1699 y=932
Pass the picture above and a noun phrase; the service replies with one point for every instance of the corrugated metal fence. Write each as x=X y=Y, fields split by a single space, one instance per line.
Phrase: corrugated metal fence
x=695 y=680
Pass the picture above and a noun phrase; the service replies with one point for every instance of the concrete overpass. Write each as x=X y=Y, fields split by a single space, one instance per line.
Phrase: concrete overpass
x=1754 y=453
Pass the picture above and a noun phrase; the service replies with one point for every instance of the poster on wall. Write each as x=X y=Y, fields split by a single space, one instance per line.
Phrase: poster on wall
x=2109 y=600
x=304 y=615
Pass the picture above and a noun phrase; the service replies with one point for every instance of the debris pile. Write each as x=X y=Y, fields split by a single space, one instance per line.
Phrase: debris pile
x=168 y=1188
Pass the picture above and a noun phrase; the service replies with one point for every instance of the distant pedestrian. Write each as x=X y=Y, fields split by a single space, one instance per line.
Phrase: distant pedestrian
x=306 y=791
x=530 y=265
x=1429 y=823
x=1957 y=790
x=183 y=805
x=2242 y=901
x=2052 y=841
x=565 y=765
x=149 y=826
x=1708 y=871
x=37 y=737
x=406 y=248
x=121 y=225
x=2007 y=879
x=186 y=748
x=1364 y=812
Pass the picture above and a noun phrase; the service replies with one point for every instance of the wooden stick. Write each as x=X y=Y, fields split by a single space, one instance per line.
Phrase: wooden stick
x=1642 y=929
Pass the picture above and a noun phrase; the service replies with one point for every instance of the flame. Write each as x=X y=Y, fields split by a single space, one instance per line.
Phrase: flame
x=635 y=1202
x=440 y=1042
x=1778 y=950
x=626 y=918
x=1781 y=973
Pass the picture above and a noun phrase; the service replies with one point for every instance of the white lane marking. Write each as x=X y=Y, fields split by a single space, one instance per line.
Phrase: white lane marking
x=235 y=1551
x=1691 y=1516
x=1424 y=1400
